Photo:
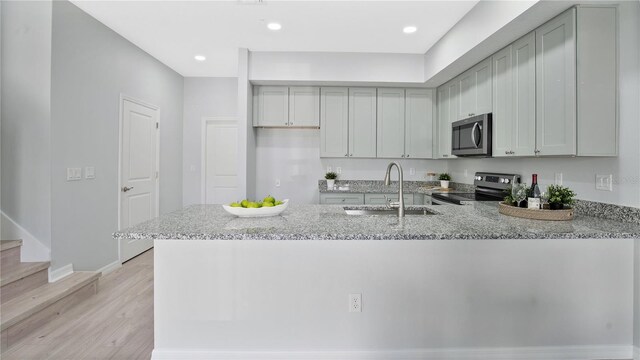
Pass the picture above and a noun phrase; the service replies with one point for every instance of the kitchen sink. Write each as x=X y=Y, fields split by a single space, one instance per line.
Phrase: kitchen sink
x=387 y=212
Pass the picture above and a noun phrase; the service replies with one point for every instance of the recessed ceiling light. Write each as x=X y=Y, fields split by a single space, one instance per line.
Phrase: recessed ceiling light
x=200 y=58
x=409 y=29
x=274 y=26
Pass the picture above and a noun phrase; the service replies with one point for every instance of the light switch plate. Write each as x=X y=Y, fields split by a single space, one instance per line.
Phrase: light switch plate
x=604 y=182
x=74 y=174
x=89 y=172
x=558 y=178
x=339 y=170
x=329 y=169
x=412 y=171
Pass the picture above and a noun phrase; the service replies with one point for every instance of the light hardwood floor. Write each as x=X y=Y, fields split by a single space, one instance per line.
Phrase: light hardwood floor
x=116 y=323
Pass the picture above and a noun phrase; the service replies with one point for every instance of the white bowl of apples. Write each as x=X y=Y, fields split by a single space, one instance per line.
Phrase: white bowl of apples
x=269 y=206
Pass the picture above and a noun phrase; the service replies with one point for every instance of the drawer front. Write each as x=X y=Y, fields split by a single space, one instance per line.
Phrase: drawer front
x=379 y=199
x=342 y=199
x=427 y=200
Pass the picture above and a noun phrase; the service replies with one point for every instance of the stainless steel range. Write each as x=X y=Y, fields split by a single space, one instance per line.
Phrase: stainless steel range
x=489 y=187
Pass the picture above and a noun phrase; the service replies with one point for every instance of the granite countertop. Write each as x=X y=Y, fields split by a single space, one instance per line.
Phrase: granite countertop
x=378 y=187
x=329 y=222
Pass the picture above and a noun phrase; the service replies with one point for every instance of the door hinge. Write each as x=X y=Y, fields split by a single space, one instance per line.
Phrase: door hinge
x=157 y=125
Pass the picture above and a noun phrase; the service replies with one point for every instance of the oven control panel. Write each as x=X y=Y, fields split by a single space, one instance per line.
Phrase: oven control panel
x=495 y=180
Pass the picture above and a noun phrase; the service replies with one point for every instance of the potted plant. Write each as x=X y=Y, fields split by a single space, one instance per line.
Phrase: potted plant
x=331 y=179
x=444 y=180
x=559 y=196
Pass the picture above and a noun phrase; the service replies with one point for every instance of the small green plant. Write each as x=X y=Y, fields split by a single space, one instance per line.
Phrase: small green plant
x=330 y=175
x=560 y=195
x=444 y=177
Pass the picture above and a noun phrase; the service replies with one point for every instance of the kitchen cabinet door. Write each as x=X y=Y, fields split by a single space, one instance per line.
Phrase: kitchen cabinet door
x=556 y=86
x=446 y=108
x=381 y=199
x=273 y=106
x=475 y=91
x=304 y=106
x=454 y=103
x=483 y=95
x=342 y=199
x=390 y=123
x=334 y=122
x=502 y=103
x=523 y=114
x=418 y=123
x=362 y=122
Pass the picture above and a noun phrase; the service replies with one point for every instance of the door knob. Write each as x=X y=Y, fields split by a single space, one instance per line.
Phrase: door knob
x=126 y=188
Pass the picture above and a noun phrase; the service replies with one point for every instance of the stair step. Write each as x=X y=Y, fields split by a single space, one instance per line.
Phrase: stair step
x=21 y=308
x=21 y=270
x=9 y=244
x=19 y=278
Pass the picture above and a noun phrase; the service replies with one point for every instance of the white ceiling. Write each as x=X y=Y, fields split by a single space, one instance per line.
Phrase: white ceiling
x=175 y=31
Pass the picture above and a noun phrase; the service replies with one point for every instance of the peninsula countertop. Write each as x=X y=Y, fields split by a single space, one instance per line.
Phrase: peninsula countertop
x=330 y=222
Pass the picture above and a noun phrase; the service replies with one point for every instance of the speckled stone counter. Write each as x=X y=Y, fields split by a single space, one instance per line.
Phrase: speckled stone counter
x=330 y=222
x=378 y=187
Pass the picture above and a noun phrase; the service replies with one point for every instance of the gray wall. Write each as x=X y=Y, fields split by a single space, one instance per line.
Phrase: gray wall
x=26 y=116
x=579 y=173
x=91 y=67
x=203 y=97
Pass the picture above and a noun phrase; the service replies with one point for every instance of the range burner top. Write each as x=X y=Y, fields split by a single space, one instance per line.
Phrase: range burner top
x=489 y=187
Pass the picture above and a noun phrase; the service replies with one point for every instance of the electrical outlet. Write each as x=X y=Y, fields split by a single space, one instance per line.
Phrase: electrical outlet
x=604 y=182
x=339 y=170
x=329 y=169
x=355 y=302
x=277 y=182
x=412 y=171
x=558 y=179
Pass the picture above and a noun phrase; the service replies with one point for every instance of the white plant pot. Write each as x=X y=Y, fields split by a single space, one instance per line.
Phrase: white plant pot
x=331 y=184
x=444 y=184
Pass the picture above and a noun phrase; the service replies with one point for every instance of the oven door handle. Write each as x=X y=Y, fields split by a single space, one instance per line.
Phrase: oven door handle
x=435 y=201
x=473 y=135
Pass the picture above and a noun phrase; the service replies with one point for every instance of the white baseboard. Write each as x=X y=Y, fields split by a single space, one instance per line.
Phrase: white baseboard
x=110 y=267
x=522 y=353
x=32 y=249
x=57 y=274
x=636 y=353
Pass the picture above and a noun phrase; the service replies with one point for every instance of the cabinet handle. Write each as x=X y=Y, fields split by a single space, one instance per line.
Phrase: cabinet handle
x=407 y=155
x=445 y=155
x=537 y=151
x=286 y=123
x=346 y=154
x=506 y=152
x=350 y=154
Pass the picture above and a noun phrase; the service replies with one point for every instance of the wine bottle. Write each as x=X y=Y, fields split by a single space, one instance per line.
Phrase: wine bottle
x=535 y=190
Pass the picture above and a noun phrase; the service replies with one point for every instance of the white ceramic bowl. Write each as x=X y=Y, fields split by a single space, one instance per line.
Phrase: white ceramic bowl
x=257 y=212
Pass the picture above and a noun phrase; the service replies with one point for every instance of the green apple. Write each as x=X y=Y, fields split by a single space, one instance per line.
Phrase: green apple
x=267 y=204
x=244 y=203
x=253 y=205
x=270 y=199
x=278 y=202
x=235 y=204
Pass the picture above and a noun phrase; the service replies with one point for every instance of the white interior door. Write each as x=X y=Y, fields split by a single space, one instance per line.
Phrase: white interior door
x=138 y=172
x=219 y=158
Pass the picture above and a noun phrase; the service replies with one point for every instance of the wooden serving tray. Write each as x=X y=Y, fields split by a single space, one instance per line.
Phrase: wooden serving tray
x=542 y=214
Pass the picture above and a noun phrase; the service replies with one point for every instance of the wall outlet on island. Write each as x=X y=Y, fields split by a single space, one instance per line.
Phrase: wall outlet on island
x=277 y=182
x=355 y=302
x=604 y=182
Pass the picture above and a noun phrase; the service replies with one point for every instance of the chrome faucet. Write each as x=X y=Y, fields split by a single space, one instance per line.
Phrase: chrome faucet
x=387 y=181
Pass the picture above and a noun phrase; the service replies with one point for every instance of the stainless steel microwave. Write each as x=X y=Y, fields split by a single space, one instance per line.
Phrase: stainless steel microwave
x=472 y=136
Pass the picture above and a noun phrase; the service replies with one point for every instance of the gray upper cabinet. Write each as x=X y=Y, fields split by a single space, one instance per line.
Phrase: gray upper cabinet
x=273 y=106
x=304 y=106
x=514 y=122
x=391 y=123
x=419 y=123
x=597 y=82
x=523 y=114
x=334 y=122
x=556 y=86
x=475 y=90
x=502 y=103
x=362 y=122
x=448 y=106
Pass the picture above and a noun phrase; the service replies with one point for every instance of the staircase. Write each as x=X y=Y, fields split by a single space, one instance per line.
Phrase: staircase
x=28 y=300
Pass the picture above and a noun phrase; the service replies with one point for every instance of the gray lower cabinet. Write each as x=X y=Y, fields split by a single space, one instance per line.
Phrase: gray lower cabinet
x=381 y=199
x=427 y=200
x=341 y=199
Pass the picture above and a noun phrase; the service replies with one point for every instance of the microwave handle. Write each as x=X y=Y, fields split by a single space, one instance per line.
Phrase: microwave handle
x=473 y=134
